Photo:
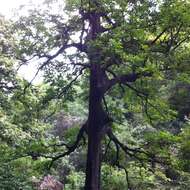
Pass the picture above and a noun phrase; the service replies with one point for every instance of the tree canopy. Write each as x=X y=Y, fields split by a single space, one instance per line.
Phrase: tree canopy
x=115 y=92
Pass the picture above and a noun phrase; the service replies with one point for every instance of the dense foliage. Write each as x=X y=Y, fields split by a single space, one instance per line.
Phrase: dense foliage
x=114 y=103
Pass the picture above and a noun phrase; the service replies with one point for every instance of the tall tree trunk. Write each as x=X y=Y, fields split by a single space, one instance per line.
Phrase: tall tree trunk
x=96 y=122
x=97 y=118
x=93 y=165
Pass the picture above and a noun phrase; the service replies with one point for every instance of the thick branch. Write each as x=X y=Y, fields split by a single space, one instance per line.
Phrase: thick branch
x=124 y=79
x=72 y=148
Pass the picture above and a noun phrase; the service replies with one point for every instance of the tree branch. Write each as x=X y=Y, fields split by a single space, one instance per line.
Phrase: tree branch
x=124 y=79
x=51 y=57
x=116 y=162
x=137 y=152
x=65 y=89
x=72 y=148
x=158 y=37
x=125 y=148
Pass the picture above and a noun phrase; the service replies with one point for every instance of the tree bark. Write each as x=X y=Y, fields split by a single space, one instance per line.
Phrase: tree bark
x=93 y=165
x=97 y=117
x=96 y=122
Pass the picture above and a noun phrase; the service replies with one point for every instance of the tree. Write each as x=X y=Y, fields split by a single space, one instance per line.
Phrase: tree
x=8 y=80
x=120 y=47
